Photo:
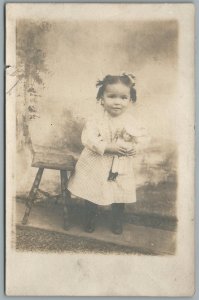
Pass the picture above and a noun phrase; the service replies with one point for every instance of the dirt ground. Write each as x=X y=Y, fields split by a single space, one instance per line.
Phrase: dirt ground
x=28 y=239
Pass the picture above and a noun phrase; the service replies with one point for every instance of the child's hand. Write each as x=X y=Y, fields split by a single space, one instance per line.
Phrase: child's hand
x=115 y=149
x=131 y=152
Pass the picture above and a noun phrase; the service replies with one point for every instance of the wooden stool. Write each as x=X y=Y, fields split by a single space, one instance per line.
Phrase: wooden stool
x=54 y=161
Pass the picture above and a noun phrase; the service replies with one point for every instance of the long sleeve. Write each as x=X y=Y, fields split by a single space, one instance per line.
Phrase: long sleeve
x=92 y=139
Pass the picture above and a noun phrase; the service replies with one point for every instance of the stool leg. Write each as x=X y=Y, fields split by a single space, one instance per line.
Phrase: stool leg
x=32 y=195
x=66 y=199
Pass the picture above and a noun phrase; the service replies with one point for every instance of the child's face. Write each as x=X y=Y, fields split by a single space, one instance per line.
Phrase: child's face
x=116 y=98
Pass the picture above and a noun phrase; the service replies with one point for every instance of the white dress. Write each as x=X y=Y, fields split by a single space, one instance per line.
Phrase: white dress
x=90 y=179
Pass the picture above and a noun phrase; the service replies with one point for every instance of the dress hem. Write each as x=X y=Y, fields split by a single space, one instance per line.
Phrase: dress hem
x=98 y=202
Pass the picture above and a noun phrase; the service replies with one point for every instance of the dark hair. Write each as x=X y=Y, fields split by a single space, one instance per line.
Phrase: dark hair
x=127 y=79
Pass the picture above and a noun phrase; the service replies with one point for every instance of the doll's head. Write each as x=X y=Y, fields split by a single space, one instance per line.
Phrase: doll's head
x=116 y=92
x=128 y=137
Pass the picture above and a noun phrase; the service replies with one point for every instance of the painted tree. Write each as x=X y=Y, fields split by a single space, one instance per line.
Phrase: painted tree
x=30 y=67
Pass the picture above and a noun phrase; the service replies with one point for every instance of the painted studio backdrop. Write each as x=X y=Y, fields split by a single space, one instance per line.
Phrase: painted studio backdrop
x=57 y=66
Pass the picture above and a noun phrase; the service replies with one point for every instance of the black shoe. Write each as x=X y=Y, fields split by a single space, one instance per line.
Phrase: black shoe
x=67 y=224
x=90 y=225
x=117 y=227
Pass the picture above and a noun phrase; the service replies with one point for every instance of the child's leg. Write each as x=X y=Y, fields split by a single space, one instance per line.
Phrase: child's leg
x=90 y=216
x=117 y=217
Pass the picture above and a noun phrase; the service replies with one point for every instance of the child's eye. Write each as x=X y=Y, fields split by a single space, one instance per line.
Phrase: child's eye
x=124 y=97
x=112 y=96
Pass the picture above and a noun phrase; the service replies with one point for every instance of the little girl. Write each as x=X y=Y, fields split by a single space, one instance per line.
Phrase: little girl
x=91 y=179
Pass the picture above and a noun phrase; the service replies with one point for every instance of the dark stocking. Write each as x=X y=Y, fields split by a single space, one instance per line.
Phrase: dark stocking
x=117 y=216
x=90 y=216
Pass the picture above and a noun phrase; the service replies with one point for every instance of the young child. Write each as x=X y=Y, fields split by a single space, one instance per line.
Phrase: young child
x=91 y=178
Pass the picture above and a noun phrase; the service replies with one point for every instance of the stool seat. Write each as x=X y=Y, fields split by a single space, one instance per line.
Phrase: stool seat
x=54 y=161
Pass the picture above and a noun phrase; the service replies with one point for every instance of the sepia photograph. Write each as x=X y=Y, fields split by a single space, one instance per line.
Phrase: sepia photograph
x=100 y=147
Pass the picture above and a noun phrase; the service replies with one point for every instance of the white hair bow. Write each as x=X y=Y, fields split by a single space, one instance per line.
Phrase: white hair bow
x=131 y=77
